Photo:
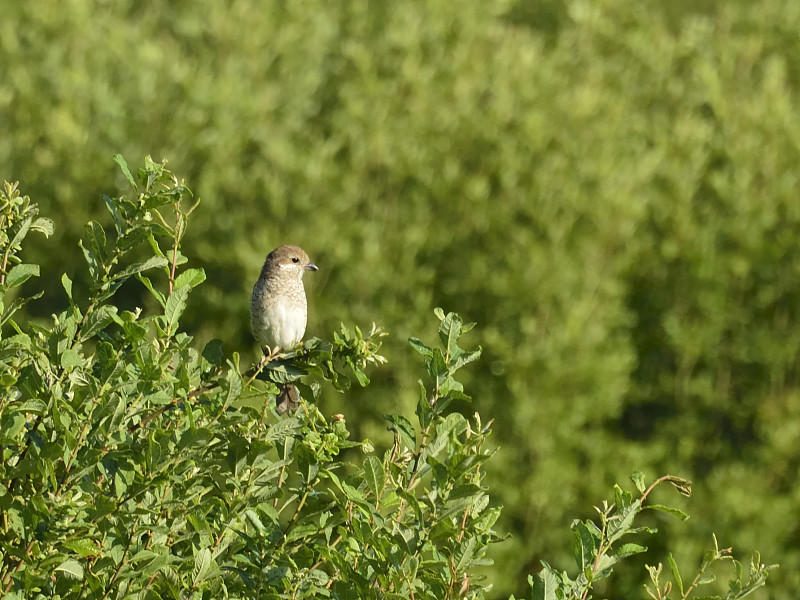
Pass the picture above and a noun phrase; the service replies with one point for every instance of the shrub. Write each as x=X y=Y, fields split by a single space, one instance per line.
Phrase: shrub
x=136 y=466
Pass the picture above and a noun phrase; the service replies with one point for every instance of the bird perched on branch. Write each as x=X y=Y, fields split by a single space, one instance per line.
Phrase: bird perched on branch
x=278 y=309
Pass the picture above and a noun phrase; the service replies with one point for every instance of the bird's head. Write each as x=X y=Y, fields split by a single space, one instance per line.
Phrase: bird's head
x=289 y=261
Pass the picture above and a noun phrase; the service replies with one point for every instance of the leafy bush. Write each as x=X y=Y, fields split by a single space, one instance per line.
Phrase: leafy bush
x=609 y=188
x=136 y=466
x=134 y=462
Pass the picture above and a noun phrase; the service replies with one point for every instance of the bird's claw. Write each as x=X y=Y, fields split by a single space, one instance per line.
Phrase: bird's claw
x=270 y=354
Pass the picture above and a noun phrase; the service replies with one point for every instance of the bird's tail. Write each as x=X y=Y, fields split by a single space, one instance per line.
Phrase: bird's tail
x=288 y=398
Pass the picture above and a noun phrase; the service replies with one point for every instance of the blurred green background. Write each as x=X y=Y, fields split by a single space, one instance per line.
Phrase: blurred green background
x=610 y=189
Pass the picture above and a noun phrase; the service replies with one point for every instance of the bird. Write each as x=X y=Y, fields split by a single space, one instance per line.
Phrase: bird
x=279 y=310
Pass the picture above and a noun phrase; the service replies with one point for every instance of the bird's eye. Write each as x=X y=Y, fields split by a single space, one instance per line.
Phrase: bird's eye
x=295 y=259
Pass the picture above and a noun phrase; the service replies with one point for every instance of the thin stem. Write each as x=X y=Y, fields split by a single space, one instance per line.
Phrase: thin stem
x=600 y=552
x=8 y=577
x=718 y=554
x=280 y=483
x=4 y=265
x=175 y=245
x=122 y=560
x=333 y=545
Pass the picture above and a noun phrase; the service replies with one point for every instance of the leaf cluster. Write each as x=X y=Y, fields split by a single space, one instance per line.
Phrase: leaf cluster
x=18 y=217
x=598 y=547
x=136 y=466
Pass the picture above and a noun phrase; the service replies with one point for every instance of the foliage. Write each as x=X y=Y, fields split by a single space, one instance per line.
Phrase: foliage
x=135 y=466
x=598 y=548
x=609 y=188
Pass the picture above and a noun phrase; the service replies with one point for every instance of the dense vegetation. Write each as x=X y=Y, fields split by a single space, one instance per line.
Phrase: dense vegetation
x=135 y=466
x=609 y=190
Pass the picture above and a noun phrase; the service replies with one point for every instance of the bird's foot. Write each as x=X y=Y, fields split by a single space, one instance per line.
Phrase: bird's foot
x=270 y=354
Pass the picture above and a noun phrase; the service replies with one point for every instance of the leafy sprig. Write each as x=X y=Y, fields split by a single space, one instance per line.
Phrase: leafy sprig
x=598 y=549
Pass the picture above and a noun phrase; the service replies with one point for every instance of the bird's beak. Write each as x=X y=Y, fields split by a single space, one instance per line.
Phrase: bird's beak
x=311 y=267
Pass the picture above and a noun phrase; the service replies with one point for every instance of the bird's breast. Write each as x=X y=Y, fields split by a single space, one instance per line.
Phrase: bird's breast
x=278 y=319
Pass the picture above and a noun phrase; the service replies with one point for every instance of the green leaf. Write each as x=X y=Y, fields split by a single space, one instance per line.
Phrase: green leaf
x=176 y=303
x=423 y=411
x=180 y=224
x=213 y=352
x=71 y=358
x=149 y=285
x=629 y=549
x=737 y=567
x=458 y=504
x=44 y=225
x=374 y=475
x=675 y=572
x=403 y=429
x=282 y=372
x=586 y=542
x=19 y=274
x=123 y=165
x=113 y=208
x=98 y=320
x=468 y=326
x=71 y=568
x=437 y=366
x=16 y=305
x=454 y=424
x=487 y=519
x=151 y=239
x=302 y=531
x=190 y=277
x=668 y=509
x=544 y=584
x=349 y=491
x=10 y=426
x=621 y=525
x=255 y=520
x=436 y=445
x=282 y=429
x=709 y=556
x=464 y=553
x=639 y=481
x=233 y=383
x=410 y=567
x=420 y=347
x=160 y=199
x=133 y=237
x=150 y=263
x=622 y=498
x=22 y=231
x=603 y=566
x=85 y=547
x=361 y=377
x=466 y=358
x=66 y=282
x=202 y=565
x=92 y=261
x=449 y=332
x=95 y=237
